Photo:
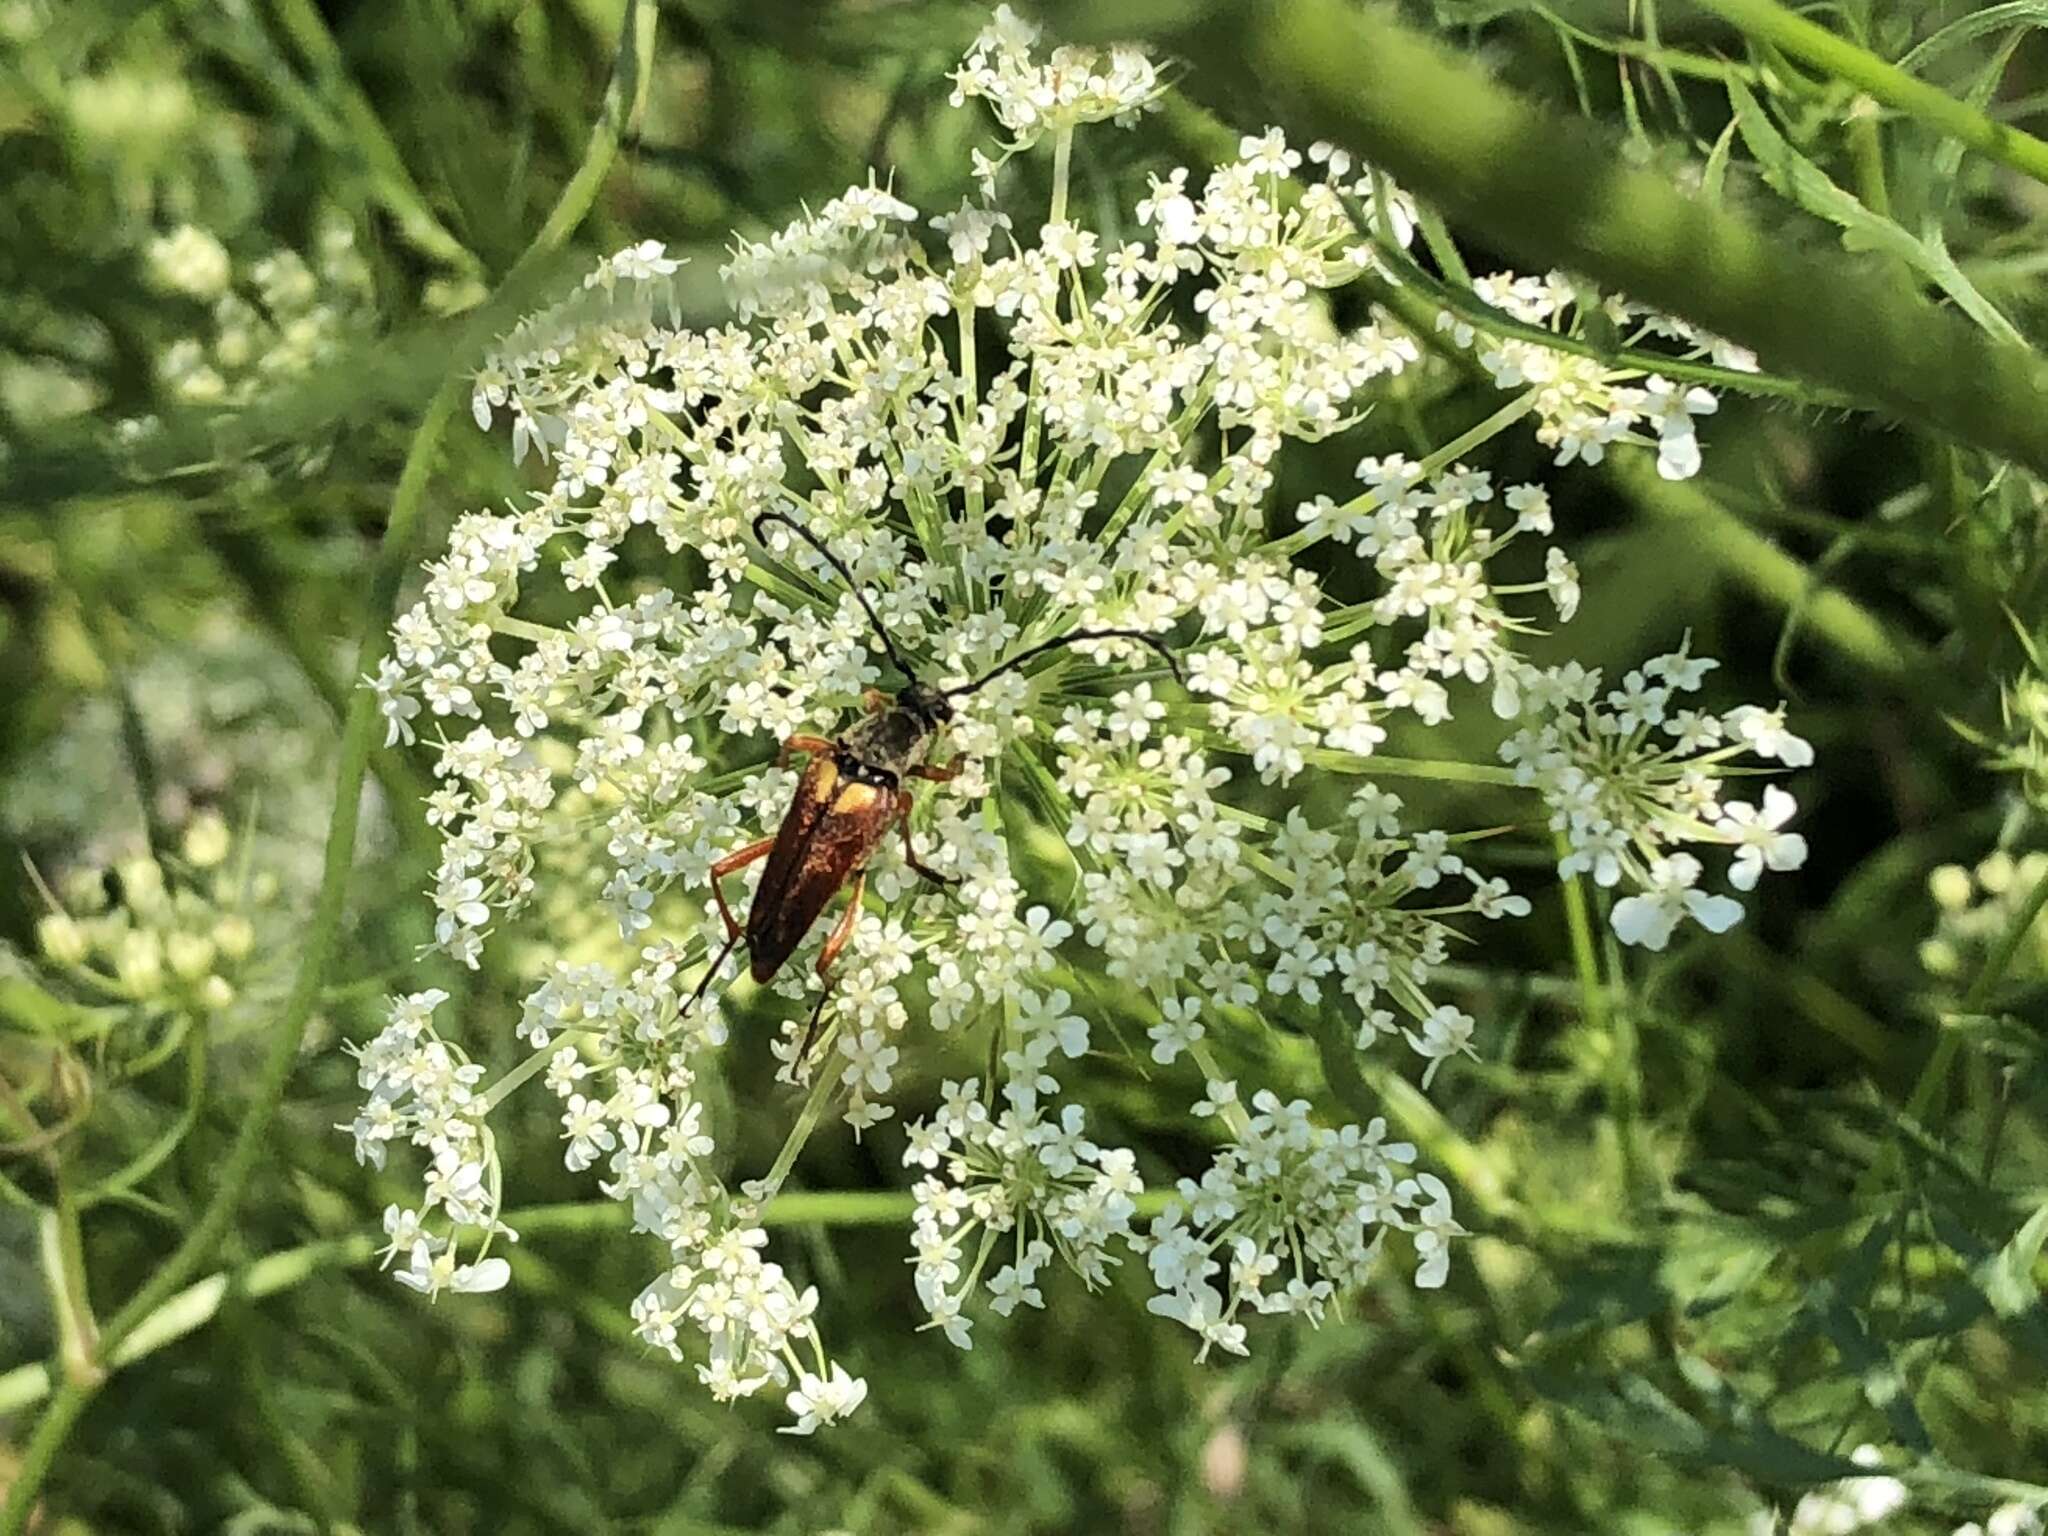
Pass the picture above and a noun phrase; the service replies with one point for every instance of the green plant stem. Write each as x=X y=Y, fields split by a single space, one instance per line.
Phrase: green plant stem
x=800 y=1133
x=197 y=1304
x=1483 y=432
x=1062 y=165
x=623 y=98
x=1614 y=1027
x=323 y=933
x=1554 y=192
x=1768 y=22
x=264 y=585
x=1585 y=963
x=63 y=1253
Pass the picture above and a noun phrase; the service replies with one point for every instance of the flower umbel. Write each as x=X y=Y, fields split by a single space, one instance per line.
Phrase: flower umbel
x=1010 y=432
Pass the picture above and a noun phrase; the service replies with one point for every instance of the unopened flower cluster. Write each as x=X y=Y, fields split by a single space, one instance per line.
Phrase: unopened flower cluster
x=159 y=943
x=279 y=317
x=1009 y=427
x=1976 y=907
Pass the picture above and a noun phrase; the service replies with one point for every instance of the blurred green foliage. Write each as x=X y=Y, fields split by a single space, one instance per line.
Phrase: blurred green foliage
x=1724 y=1239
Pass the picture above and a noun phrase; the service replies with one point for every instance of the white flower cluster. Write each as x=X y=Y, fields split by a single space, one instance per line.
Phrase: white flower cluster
x=422 y=1089
x=1031 y=97
x=1586 y=404
x=1630 y=777
x=1005 y=441
x=1294 y=1206
x=1014 y=1176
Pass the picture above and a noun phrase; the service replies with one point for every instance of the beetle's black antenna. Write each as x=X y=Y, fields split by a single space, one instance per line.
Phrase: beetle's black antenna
x=845 y=575
x=1076 y=638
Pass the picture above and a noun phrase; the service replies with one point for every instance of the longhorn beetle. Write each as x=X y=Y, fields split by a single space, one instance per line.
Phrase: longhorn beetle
x=852 y=790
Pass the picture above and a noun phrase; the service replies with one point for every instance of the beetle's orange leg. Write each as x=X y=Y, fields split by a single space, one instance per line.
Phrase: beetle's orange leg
x=842 y=933
x=937 y=773
x=753 y=853
x=910 y=857
x=814 y=745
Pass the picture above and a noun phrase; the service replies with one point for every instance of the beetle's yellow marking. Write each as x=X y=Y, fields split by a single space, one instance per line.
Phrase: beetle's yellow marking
x=828 y=775
x=855 y=798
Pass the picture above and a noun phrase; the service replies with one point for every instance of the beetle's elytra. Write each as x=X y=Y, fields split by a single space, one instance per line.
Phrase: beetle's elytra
x=853 y=790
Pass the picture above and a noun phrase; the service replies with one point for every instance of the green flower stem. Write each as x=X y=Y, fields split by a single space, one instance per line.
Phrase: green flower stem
x=1614 y=1026
x=1062 y=165
x=800 y=1133
x=197 y=1304
x=623 y=98
x=1443 y=770
x=1585 y=963
x=1769 y=22
x=1550 y=191
x=264 y=587
x=63 y=1253
x=1473 y=437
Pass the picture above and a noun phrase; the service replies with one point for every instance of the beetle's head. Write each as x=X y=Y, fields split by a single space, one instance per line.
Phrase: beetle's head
x=923 y=700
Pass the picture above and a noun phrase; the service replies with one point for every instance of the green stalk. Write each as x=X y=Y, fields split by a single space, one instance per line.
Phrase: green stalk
x=63 y=1253
x=1062 y=167
x=1484 y=432
x=623 y=97
x=806 y=1123
x=1550 y=191
x=1768 y=22
x=195 y=1306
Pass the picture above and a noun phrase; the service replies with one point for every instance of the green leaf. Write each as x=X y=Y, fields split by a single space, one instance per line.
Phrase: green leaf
x=1806 y=184
x=1993 y=18
x=1609 y=1289
x=1637 y=1413
x=2007 y=1277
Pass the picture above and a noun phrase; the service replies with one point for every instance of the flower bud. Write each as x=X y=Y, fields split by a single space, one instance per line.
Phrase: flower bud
x=190 y=954
x=61 y=939
x=233 y=935
x=1950 y=887
x=189 y=260
x=139 y=961
x=216 y=993
x=84 y=891
x=206 y=840
x=142 y=884
x=1938 y=957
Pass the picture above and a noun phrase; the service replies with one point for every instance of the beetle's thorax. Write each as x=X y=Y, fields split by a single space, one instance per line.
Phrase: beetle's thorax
x=893 y=741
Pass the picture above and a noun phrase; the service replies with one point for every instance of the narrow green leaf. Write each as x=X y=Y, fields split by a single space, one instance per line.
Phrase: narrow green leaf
x=1964 y=29
x=2007 y=1277
x=1806 y=184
